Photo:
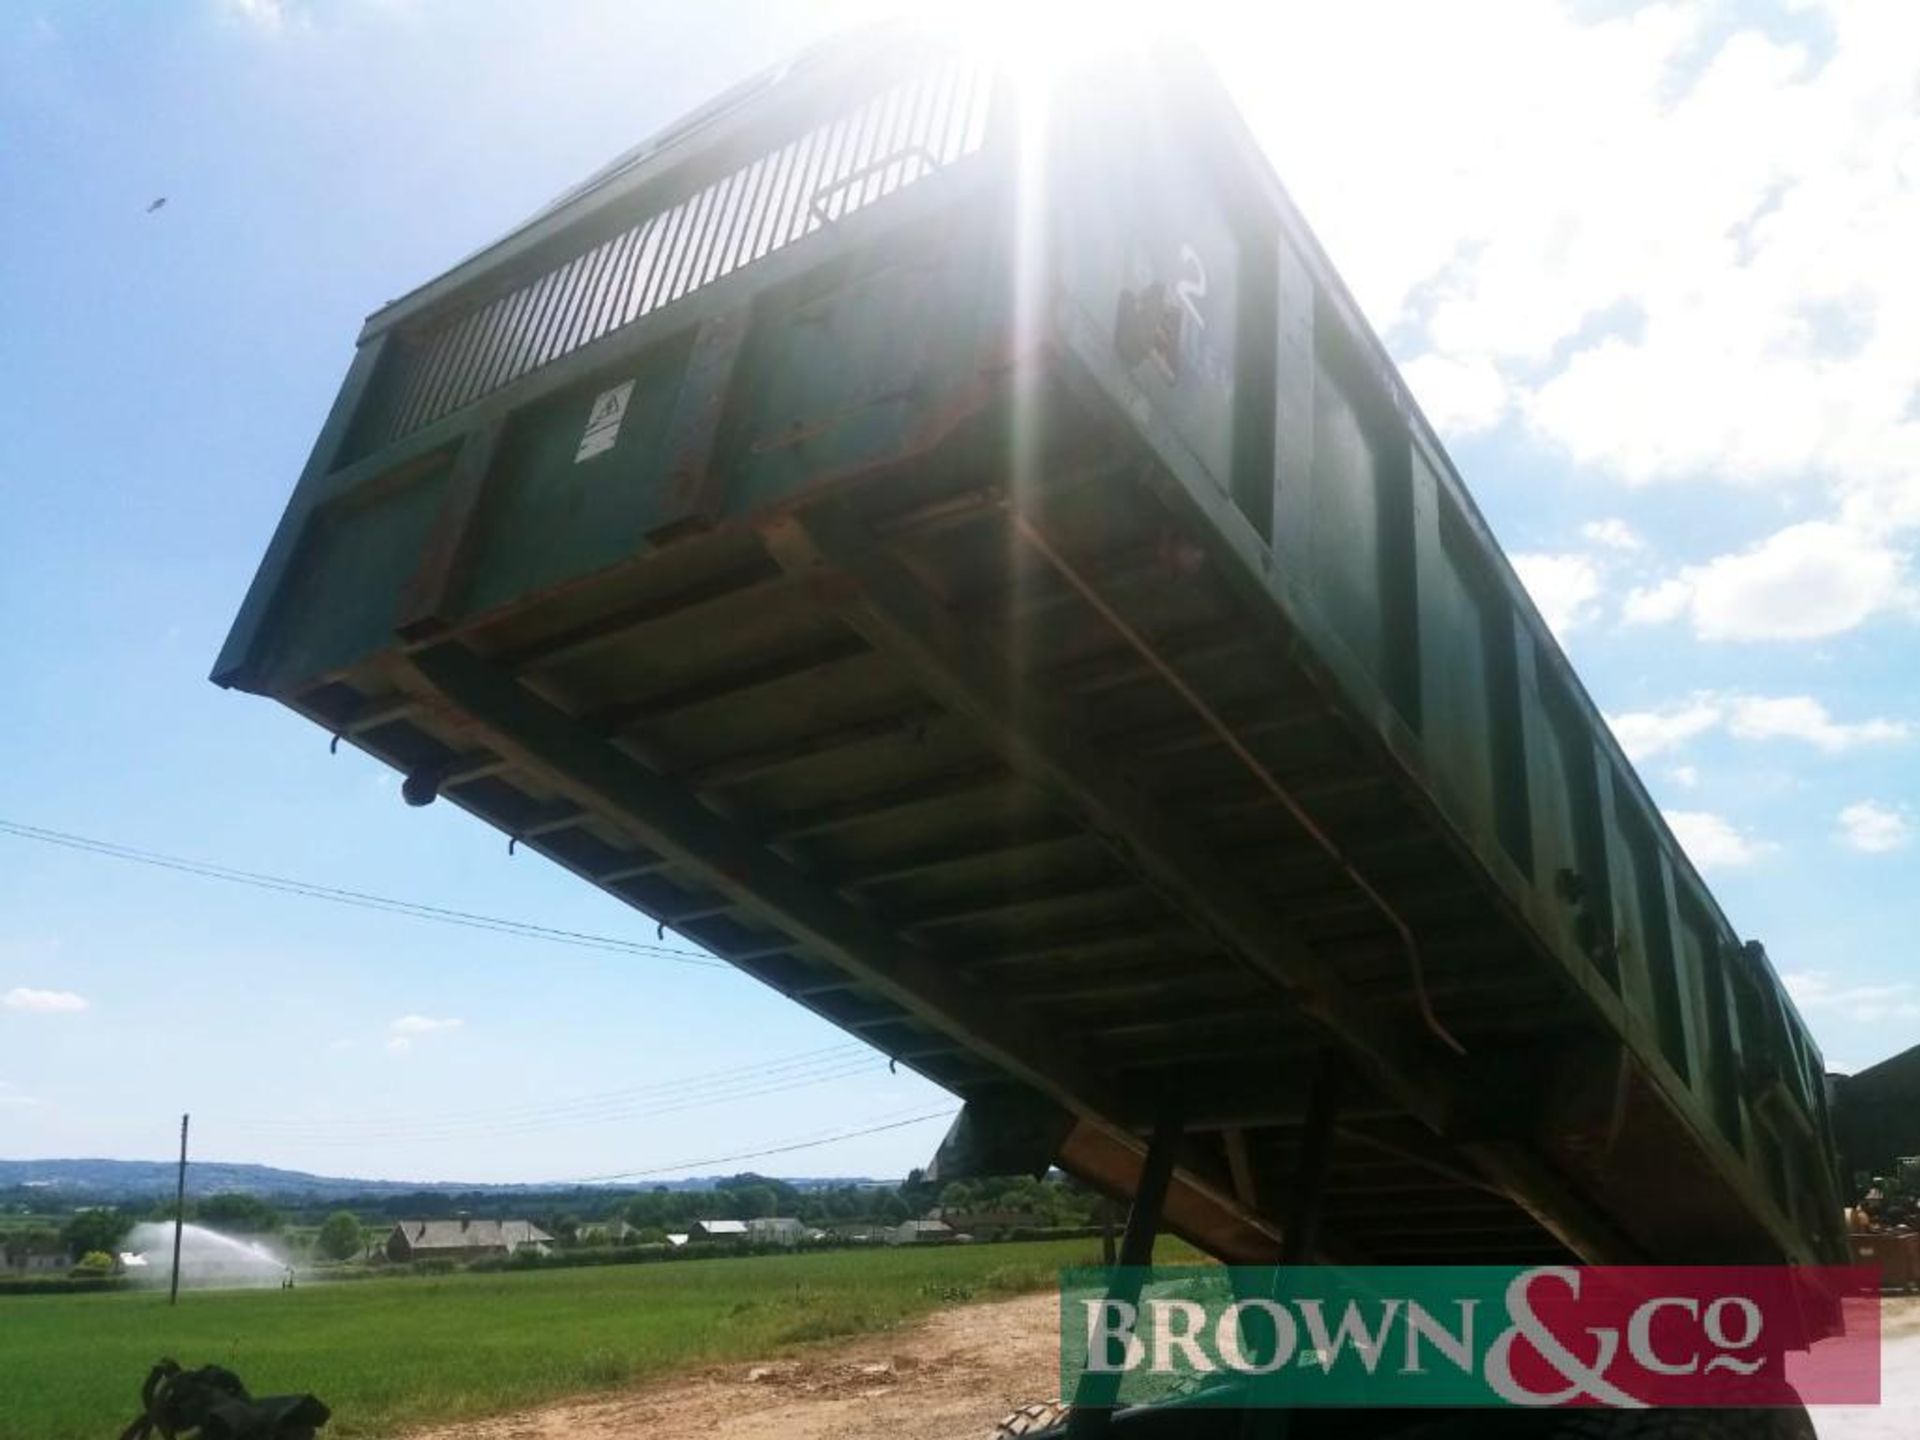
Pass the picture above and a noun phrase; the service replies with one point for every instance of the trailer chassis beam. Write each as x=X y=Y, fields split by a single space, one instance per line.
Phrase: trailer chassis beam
x=881 y=600
x=1093 y=1402
x=669 y=820
x=1306 y=1207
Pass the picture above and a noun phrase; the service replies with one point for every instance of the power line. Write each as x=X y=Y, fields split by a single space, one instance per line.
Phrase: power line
x=356 y=898
x=809 y=1068
x=843 y=1069
x=754 y=1072
x=543 y=1127
x=588 y=1106
x=760 y=1154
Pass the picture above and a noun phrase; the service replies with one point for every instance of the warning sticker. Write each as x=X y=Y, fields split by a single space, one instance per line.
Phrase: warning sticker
x=603 y=422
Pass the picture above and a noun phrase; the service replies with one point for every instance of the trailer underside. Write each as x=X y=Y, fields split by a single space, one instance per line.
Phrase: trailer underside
x=977 y=754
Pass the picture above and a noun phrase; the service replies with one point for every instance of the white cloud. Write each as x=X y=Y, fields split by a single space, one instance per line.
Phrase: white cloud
x=267 y=14
x=422 y=1025
x=44 y=1002
x=1817 y=990
x=1712 y=842
x=1800 y=583
x=1685 y=776
x=1613 y=533
x=1565 y=587
x=1505 y=157
x=1677 y=244
x=1657 y=604
x=1801 y=717
x=1872 y=828
x=403 y=1032
x=1461 y=396
x=1776 y=317
x=1645 y=733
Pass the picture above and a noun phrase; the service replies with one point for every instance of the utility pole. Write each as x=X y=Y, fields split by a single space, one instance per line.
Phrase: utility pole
x=179 y=1213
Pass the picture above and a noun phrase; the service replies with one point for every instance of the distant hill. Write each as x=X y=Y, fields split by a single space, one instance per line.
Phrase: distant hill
x=117 y=1179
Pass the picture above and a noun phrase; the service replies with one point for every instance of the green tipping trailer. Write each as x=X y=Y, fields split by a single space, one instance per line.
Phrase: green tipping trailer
x=957 y=552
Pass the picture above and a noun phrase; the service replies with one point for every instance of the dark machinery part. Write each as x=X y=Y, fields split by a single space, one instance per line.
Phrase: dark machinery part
x=212 y=1403
x=1877 y=1118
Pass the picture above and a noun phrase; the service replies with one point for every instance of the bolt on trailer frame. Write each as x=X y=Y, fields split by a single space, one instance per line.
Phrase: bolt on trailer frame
x=962 y=557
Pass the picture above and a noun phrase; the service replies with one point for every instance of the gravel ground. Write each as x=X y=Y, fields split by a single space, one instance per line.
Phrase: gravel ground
x=1897 y=1416
x=952 y=1377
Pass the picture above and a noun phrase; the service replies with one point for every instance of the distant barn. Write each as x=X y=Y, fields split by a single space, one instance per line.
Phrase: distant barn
x=919 y=1232
x=985 y=1224
x=607 y=1232
x=464 y=1240
x=778 y=1230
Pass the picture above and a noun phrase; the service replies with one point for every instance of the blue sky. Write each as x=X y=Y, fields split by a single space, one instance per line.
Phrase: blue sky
x=1648 y=268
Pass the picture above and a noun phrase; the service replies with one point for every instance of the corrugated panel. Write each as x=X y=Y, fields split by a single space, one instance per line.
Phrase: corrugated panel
x=893 y=139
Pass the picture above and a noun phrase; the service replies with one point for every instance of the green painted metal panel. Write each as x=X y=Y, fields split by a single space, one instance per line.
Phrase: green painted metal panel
x=1128 y=209
x=1342 y=518
x=559 y=505
x=867 y=361
x=338 y=603
x=1462 y=730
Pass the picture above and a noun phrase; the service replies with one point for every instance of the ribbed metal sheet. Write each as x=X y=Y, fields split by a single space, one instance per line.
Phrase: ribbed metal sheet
x=893 y=139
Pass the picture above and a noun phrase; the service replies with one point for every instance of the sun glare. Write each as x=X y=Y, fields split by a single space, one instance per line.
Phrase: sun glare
x=1035 y=40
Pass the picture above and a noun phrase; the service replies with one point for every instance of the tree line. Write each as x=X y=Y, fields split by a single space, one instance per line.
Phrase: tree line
x=344 y=1229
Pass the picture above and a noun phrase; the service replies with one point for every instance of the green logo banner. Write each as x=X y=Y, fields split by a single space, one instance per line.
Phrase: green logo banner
x=1469 y=1336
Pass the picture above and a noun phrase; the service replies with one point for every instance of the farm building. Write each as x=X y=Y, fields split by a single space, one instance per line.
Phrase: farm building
x=463 y=1240
x=727 y=1232
x=919 y=1232
x=608 y=1232
x=859 y=1232
x=984 y=1224
x=31 y=1259
x=776 y=1230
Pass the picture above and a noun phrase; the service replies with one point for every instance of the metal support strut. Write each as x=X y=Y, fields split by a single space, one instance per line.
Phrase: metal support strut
x=1029 y=530
x=1307 y=1197
x=1093 y=1402
x=1306 y=1207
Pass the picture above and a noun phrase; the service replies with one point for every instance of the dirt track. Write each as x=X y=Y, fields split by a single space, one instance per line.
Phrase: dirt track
x=954 y=1375
x=1897 y=1416
x=950 y=1377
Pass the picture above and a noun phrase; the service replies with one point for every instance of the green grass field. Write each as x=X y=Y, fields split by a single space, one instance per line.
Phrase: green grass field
x=386 y=1354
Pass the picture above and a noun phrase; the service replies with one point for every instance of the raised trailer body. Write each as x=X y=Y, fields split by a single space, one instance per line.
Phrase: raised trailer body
x=965 y=560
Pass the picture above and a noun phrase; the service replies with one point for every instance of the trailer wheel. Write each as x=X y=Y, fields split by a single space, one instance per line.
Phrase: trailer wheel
x=1767 y=1424
x=1755 y=1424
x=1030 y=1420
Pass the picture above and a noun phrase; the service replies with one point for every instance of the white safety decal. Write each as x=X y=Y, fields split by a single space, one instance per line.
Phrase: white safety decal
x=603 y=422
